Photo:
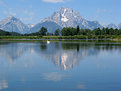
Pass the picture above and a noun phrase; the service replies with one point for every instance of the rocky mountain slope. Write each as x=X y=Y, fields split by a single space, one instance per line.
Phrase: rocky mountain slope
x=65 y=17
x=13 y=24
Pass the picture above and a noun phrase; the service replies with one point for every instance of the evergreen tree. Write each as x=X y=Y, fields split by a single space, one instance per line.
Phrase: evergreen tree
x=78 y=29
x=57 y=32
x=43 y=31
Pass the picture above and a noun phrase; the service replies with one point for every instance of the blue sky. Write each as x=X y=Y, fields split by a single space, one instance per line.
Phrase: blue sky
x=33 y=11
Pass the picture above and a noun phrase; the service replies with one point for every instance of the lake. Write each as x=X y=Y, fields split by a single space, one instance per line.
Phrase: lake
x=60 y=66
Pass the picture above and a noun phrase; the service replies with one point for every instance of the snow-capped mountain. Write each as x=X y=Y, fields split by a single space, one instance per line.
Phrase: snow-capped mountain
x=66 y=17
x=112 y=26
x=13 y=24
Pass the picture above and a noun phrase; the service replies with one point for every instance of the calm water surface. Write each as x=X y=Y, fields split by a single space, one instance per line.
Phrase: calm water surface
x=60 y=66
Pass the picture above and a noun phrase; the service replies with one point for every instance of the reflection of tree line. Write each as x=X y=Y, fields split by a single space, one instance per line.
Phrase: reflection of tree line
x=107 y=46
x=4 y=43
x=43 y=46
x=76 y=46
x=86 y=45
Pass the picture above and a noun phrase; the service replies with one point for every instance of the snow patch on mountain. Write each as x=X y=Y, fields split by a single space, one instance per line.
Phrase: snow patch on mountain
x=31 y=25
x=64 y=18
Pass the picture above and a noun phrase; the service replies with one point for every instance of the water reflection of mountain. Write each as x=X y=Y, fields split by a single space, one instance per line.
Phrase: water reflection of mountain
x=65 y=59
x=62 y=54
x=12 y=51
x=66 y=55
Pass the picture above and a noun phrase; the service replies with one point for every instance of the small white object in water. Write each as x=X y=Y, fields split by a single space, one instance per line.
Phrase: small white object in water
x=48 y=42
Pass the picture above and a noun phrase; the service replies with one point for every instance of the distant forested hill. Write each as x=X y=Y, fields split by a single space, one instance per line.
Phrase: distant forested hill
x=6 y=33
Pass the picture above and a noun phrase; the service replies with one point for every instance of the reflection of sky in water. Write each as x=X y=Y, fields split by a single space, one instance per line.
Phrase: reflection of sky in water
x=60 y=66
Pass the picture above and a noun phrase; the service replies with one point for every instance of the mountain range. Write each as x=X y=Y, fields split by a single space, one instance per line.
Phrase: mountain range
x=65 y=17
x=13 y=24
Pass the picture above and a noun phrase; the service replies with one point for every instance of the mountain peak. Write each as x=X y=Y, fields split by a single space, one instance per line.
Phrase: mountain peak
x=12 y=23
x=65 y=8
x=8 y=19
x=12 y=18
x=67 y=17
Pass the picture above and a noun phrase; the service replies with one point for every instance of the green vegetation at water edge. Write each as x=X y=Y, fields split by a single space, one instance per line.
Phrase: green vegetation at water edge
x=64 y=37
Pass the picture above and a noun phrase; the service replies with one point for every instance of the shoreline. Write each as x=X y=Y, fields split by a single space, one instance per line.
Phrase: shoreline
x=61 y=38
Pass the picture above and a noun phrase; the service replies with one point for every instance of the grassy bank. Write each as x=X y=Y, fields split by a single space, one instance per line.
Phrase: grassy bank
x=114 y=37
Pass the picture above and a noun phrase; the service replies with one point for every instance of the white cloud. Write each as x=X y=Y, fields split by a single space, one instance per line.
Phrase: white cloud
x=54 y=1
x=3 y=84
x=54 y=76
